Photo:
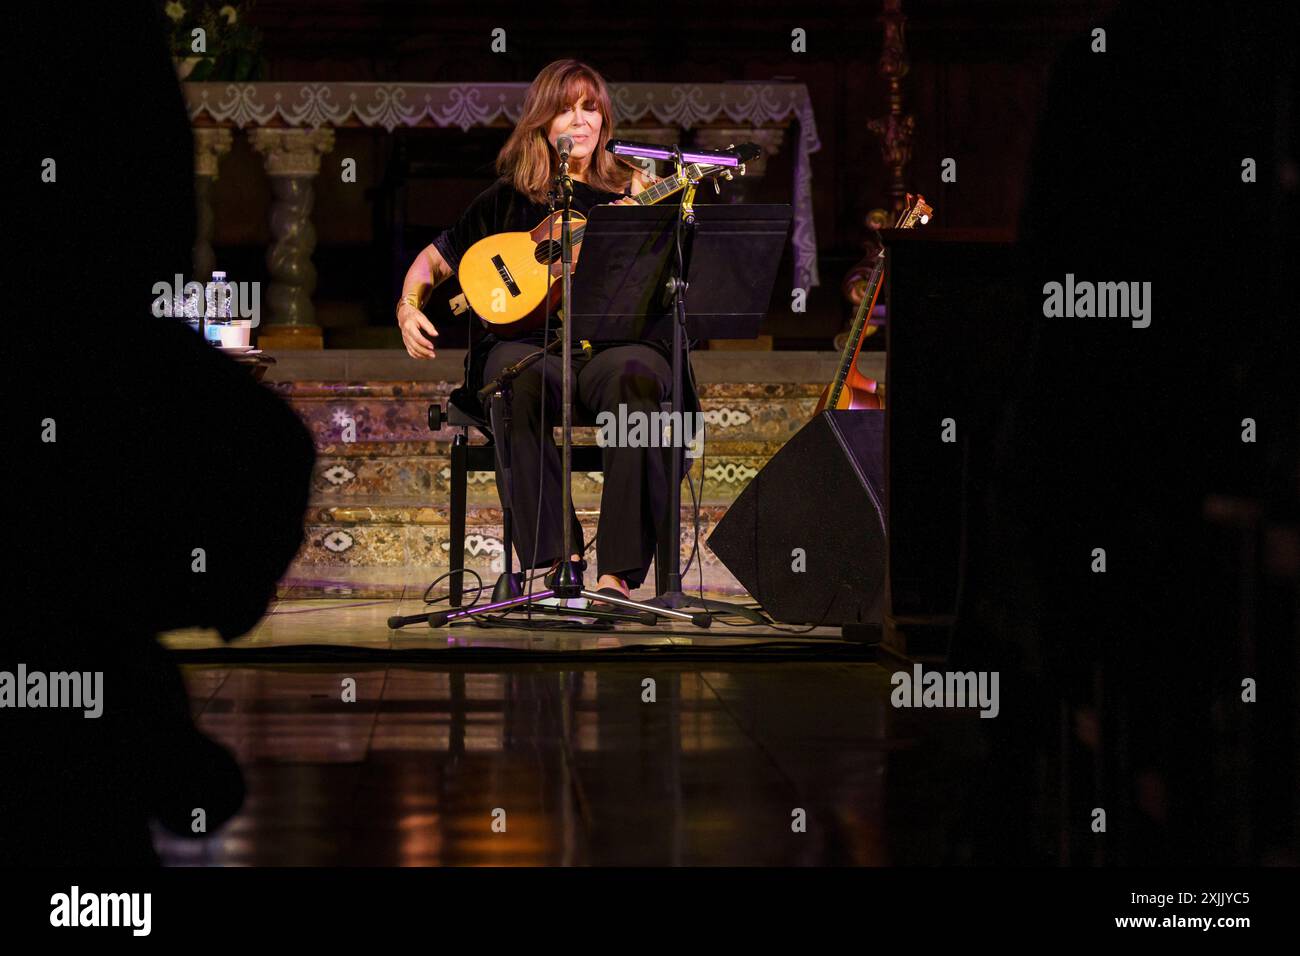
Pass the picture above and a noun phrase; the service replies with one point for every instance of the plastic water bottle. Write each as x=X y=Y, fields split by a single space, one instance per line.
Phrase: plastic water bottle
x=219 y=311
x=187 y=307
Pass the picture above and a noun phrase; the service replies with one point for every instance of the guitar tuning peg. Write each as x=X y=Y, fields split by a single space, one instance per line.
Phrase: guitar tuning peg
x=717 y=190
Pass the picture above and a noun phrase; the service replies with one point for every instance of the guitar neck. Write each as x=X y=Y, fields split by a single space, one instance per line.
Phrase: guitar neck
x=667 y=186
x=854 y=341
x=656 y=193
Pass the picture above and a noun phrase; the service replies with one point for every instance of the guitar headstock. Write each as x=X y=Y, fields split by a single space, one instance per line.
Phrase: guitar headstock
x=744 y=152
x=917 y=211
x=698 y=172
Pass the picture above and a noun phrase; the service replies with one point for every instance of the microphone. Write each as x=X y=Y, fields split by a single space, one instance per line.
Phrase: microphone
x=565 y=146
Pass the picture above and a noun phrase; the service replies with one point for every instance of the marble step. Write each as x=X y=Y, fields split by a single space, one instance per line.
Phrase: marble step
x=419 y=473
x=366 y=413
x=388 y=551
x=378 y=521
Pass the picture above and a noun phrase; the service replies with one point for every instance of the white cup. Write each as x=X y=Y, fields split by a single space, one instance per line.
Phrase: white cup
x=235 y=334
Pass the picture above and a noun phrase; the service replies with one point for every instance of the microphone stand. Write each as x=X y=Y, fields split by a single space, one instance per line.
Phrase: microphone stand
x=568 y=578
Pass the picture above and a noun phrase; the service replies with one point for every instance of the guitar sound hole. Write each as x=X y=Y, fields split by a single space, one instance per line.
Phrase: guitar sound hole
x=547 y=251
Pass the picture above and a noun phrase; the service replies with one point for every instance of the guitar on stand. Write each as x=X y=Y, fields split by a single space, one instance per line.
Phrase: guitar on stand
x=850 y=388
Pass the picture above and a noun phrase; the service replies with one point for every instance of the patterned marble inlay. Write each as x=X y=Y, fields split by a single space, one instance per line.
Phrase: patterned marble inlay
x=725 y=417
x=388 y=412
x=411 y=480
x=731 y=473
x=337 y=541
x=388 y=557
x=338 y=475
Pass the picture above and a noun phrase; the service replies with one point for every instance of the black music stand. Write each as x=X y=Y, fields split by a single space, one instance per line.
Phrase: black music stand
x=630 y=287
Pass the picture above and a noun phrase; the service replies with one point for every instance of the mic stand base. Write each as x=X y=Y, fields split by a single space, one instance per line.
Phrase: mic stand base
x=509 y=585
x=648 y=612
x=677 y=600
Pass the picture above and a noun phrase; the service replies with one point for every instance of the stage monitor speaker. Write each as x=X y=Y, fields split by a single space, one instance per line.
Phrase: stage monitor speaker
x=806 y=537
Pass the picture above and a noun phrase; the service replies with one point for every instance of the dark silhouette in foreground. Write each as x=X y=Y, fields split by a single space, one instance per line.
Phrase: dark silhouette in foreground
x=173 y=492
x=1122 y=689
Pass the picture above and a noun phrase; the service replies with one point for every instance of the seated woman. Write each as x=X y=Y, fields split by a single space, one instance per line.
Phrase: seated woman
x=567 y=98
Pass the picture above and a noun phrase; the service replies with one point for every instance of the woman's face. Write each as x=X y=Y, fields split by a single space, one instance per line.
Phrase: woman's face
x=582 y=122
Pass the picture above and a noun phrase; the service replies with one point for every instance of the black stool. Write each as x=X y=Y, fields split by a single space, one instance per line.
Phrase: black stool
x=462 y=415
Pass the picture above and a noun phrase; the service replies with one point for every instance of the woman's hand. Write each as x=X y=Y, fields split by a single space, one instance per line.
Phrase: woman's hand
x=640 y=180
x=418 y=332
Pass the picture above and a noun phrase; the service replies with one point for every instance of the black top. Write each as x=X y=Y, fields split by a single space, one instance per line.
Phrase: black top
x=502 y=208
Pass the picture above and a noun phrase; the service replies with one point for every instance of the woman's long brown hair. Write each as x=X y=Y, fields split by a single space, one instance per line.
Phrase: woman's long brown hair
x=528 y=161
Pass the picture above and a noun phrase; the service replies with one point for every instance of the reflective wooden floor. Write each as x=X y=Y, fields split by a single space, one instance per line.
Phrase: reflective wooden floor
x=568 y=756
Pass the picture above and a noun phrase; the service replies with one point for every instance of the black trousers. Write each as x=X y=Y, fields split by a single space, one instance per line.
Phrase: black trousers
x=634 y=500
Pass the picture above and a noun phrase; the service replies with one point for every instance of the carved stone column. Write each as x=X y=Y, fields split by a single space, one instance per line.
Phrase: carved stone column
x=895 y=130
x=210 y=144
x=292 y=158
x=896 y=127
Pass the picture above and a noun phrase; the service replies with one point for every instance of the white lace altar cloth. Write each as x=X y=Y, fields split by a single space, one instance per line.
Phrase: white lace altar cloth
x=390 y=105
